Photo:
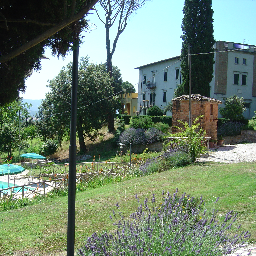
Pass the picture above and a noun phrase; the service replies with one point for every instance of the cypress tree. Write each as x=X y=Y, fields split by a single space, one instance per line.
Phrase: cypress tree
x=197 y=27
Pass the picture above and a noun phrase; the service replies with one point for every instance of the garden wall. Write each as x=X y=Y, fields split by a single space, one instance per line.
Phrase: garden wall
x=248 y=136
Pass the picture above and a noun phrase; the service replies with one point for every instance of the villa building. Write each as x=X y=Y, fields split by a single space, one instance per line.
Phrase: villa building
x=234 y=74
x=129 y=103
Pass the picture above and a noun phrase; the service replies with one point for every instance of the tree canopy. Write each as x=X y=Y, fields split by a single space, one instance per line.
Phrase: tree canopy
x=128 y=87
x=26 y=28
x=96 y=97
x=13 y=121
x=197 y=26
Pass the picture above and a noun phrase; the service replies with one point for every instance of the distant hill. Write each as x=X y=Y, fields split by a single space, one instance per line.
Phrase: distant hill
x=35 y=105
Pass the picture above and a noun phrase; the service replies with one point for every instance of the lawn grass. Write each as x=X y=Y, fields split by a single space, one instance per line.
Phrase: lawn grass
x=41 y=229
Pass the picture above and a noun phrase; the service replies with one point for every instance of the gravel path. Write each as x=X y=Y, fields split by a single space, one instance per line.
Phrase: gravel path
x=231 y=154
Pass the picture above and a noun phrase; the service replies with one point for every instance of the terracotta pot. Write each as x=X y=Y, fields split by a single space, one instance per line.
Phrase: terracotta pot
x=212 y=144
x=220 y=142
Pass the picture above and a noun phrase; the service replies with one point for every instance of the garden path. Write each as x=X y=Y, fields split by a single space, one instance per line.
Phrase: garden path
x=231 y=154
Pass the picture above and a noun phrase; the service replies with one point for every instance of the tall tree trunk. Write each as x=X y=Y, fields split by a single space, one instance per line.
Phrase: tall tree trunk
x=81 y=136
x=111 y=127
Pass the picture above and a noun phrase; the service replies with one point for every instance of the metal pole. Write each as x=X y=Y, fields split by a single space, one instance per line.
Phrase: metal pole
x=72 y=155
x=19 y=135
x=130 y=154
x=189 y=67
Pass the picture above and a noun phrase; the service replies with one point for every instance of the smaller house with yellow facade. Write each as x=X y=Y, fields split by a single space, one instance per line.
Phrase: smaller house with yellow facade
x=129 y=103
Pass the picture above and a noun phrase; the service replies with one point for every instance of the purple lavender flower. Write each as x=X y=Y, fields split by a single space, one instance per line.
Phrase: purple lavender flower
x=177 y=226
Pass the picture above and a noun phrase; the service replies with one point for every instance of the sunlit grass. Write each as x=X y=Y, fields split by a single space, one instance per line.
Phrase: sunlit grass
x=43 y=227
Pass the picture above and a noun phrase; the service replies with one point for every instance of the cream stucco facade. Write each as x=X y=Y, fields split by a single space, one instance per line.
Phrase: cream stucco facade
x=129 y=102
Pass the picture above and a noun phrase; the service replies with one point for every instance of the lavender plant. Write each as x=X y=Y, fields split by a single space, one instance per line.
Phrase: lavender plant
x=175 y=226
x=153 y=135
x=150 y=166
x=170 y=158
x=134 y=136
x=140 y=136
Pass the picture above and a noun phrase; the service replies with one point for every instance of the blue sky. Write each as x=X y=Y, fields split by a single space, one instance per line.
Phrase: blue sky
x=152 y=34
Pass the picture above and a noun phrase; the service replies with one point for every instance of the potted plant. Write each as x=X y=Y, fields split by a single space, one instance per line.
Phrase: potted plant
x=220 y=140
x=212 y=143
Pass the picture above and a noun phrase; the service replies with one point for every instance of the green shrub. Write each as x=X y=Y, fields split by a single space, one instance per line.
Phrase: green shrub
x=230 y=129
x=222 y=121
x=126 y=118
x=120 y=127
x=192 y=139
x=162 y=127
x=234 y=108
x=178 y=159
x=143 y=122
x=30 y=132
x=251 y=124
x=155 y=111
x=34 y=146
x=49 y=147
x=162 y=119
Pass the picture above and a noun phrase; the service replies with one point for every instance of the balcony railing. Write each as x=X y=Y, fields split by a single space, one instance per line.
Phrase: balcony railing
x=151 y=85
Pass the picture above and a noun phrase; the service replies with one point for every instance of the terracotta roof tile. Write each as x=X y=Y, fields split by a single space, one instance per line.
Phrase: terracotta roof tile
x=197 y=97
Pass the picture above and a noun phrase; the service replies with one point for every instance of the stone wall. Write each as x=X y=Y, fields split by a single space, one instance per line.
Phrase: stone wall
x=246 y=136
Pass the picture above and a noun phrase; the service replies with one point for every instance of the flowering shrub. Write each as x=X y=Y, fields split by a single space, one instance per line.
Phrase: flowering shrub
x=150 y=166
x=153 y=135
x=140 y=136
x=8 y=160
x=176 y=159
x=169 y=159
x=134 y=136
x=174 y=226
